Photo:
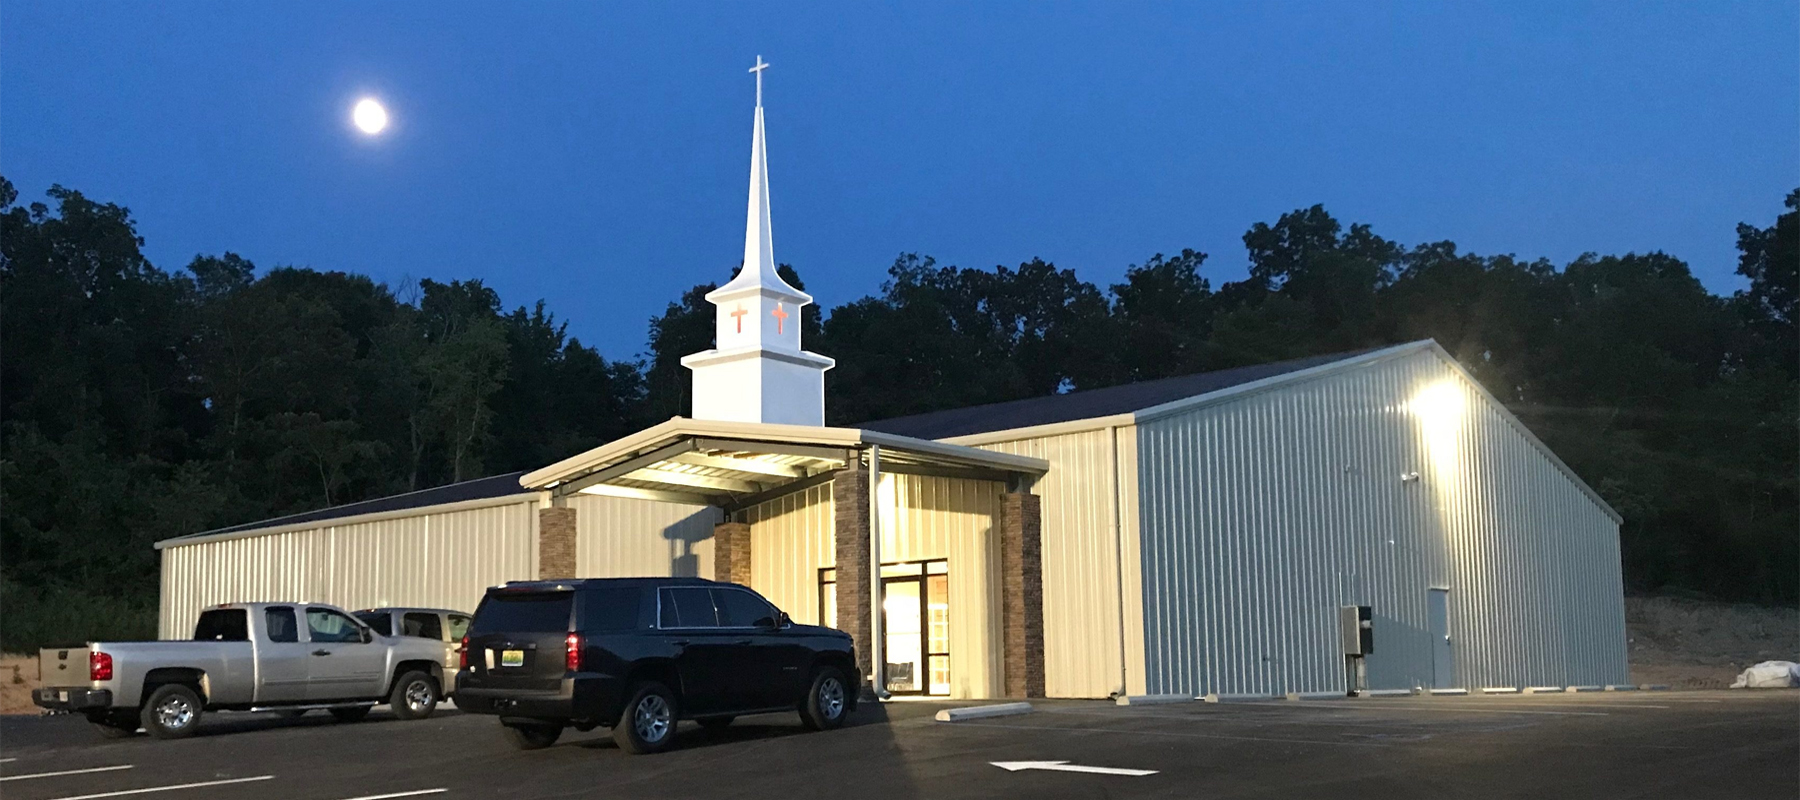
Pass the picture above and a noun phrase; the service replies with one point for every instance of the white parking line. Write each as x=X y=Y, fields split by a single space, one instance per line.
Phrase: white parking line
x=414 y=793
x=64 y=772
x=149 y=789
x=4 y=760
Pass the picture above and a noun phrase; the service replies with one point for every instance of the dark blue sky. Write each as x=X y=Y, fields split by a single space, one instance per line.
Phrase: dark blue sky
x=596 y=154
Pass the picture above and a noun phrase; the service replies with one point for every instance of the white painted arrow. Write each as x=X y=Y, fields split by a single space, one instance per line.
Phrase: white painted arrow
x=1064 y=766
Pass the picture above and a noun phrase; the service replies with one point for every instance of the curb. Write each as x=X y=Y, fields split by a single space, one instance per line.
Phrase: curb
x=1386 y=693
x=1239 y=698
x=1582 y=689
x=1500 y=690
x=1449 y=692
x=1316 y=695
x=1153 y=699
x=1543 y=690
x=981 y=712
x=1619 y=687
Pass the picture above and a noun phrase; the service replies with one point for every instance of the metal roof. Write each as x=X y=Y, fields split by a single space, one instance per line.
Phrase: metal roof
x=477 y=489
x=1106 y=402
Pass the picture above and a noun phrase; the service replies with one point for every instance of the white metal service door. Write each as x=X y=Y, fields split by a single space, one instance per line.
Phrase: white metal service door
x=1443 y=664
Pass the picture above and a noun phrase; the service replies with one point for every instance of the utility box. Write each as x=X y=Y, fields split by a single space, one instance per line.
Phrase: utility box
x=1356 y=624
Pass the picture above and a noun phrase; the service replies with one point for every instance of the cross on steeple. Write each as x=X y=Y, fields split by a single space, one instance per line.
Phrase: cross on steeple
x=758 y=70
x=780 y=317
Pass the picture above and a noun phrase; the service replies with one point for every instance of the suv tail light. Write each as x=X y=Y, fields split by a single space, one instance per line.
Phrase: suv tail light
x=462 y=654
x=99 y=666
x=572 y=652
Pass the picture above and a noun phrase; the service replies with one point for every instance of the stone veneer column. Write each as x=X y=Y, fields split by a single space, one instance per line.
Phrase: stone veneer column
x=731 y=552
x=850 y=530
x=556 y=543
x=1022 y=593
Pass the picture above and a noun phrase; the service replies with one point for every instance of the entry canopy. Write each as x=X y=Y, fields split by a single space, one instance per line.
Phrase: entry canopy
x=737 y=464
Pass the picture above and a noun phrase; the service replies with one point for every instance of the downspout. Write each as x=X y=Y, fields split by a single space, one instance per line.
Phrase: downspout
x=877 y=658
x=1119 y=555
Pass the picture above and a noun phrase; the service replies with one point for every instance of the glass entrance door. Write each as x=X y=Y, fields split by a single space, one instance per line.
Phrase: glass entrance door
x=915 y=609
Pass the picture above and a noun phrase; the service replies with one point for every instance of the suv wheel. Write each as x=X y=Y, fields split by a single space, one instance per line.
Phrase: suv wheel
x=827 y=701
x=533 y=737
x=172 y=712
x=648 y=723
x=415 y=696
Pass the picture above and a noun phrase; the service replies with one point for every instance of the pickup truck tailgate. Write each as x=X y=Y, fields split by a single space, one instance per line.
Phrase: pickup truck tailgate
x=63 y=667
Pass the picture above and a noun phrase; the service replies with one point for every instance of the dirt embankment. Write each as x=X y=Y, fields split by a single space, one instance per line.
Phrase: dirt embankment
x=18 y=676
x=1691 y=644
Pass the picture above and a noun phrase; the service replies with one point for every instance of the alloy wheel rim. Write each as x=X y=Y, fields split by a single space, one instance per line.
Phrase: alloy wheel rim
x=831 y=698
x=175 y=712
x=653 y=719
x=418 y=696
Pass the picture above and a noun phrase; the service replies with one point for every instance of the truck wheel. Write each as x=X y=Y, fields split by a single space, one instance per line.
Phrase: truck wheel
x=114 y=724
x=827 y=701
x=172 y=712
x=350 y=713
x=533 y=737
x=415 y=696
x=648 y=723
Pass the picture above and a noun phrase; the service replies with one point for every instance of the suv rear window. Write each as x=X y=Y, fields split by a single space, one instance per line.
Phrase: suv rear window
x=508 y=612
x=379 y=621
x=222 y=625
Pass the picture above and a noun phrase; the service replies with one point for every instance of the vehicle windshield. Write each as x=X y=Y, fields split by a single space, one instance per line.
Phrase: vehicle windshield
x=520 y=612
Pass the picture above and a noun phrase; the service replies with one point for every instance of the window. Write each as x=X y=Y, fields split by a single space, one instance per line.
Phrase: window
x=522 y=612
x=422 y=625
x=326 y=625
x=610 y=610
x=281 y=624
x=741 y=609
x=688 y=608
x=222 y=625
x=379 y=621
x=459 y=627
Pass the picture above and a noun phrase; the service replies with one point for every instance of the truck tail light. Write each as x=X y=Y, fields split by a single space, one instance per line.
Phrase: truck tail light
x=99 y=666
x=572 y=652
x=462 y=654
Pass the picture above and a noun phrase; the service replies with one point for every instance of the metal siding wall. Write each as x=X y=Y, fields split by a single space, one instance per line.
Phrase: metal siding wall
x=1081 y=559
x=791 y=539
x=618 y=537
x=1260 y=516
x=436 y=559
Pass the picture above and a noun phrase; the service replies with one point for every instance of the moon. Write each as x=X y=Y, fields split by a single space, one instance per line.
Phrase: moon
x=369 y=116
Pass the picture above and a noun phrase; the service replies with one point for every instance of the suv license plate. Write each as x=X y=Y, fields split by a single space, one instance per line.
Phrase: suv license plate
x=512 y=658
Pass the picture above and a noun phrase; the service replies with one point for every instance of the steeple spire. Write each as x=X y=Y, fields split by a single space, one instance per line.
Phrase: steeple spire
x=757 y=371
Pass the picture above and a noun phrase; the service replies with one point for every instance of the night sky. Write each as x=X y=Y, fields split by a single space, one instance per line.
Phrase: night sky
x=596 y=155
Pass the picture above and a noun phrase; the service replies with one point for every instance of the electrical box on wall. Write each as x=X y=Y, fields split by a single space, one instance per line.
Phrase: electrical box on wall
x=1356 y=624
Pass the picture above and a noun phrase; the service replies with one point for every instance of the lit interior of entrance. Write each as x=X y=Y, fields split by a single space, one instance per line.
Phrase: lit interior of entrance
x=915 y=605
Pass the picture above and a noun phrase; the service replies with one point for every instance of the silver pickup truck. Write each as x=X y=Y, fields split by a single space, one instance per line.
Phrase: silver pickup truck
x=284 y=657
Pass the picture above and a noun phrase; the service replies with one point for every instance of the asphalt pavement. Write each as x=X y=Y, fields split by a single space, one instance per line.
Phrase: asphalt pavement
x=1603 y=745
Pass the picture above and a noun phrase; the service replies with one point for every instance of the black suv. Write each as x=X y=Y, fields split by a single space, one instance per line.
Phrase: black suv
x=638 y=654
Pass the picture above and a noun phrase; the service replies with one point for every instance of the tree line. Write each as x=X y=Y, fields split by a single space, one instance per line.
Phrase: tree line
x=141 y=403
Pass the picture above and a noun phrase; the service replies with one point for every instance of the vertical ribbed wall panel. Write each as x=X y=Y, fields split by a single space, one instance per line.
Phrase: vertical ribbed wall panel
x=618 y=537
x=444 y=559
x=790 y=541
x=1261 y=515
x=1081 y=559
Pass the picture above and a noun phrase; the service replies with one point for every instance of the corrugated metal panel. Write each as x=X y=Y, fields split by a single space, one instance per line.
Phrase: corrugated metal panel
x=618 y=537
x=1261 y=515
x=1082 y=646
x=441 y=559
x=791 y=539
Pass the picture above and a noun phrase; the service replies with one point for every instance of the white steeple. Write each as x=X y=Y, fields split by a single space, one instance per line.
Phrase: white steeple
x=757 y=371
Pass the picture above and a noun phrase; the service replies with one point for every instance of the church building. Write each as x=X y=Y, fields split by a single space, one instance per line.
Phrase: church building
x=1210 y=533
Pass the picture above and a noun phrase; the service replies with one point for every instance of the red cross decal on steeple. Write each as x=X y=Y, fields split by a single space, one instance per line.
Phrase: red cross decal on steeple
x=780 y=317
x=739 y=316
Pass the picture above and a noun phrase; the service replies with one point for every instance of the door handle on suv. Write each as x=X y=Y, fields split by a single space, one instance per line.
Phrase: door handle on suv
x=321 y=652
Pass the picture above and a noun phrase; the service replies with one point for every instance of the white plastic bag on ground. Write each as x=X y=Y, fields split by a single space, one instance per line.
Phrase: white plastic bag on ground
x=1769 y=675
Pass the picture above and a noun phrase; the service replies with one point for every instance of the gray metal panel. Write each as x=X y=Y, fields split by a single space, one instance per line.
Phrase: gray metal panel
x=1260 y=516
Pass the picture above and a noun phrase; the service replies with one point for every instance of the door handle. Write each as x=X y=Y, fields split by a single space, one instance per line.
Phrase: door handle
x=321 y=652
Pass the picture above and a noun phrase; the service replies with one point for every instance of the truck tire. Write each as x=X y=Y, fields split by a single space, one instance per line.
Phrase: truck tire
x=827 y=700
x=647 y=725
x=533 y=737
x=350 y=713
x=415 y=696
x=172 y=712
x=115 y=724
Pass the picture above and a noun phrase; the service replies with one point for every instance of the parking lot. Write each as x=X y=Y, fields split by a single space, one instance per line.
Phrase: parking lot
x=1662 y=744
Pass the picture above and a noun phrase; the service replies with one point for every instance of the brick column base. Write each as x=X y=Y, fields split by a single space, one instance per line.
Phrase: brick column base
x=556 y=543
x=731 y=552
x=1022 y=593
x=850 y=530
